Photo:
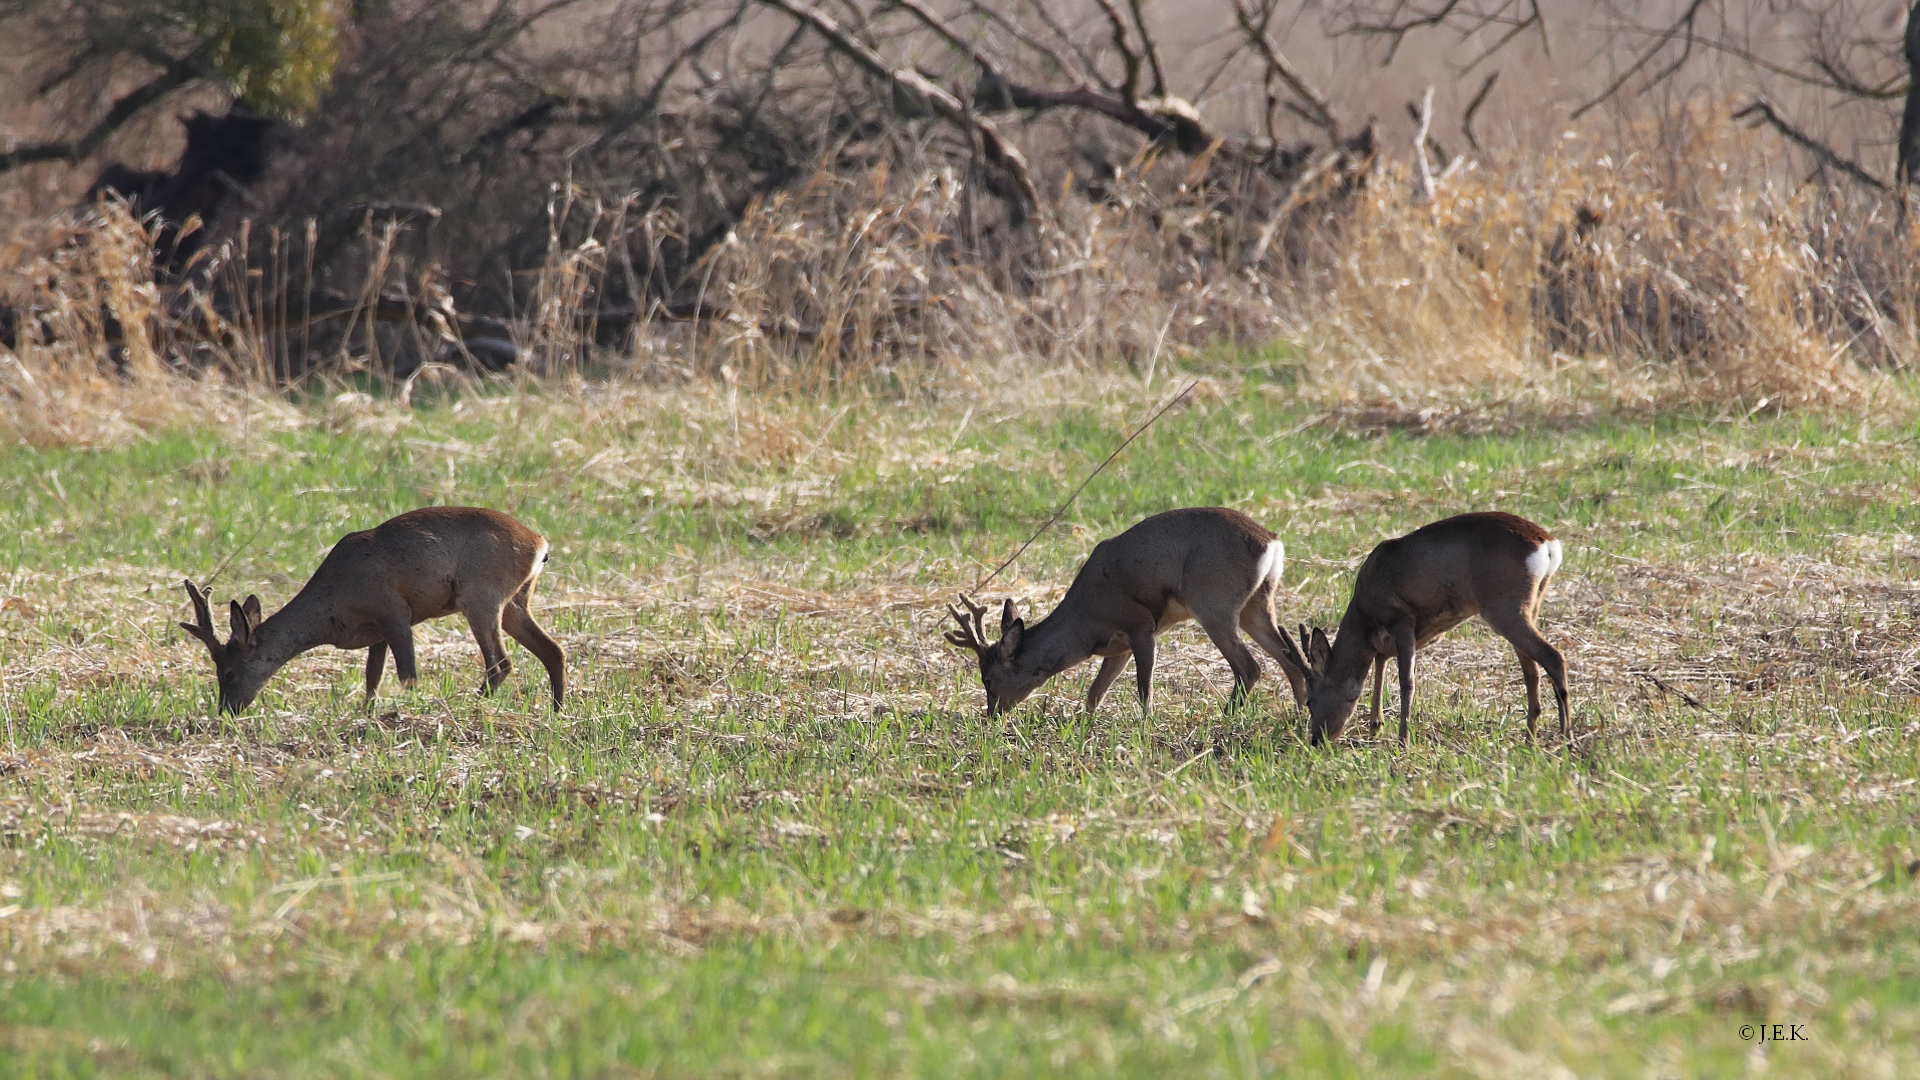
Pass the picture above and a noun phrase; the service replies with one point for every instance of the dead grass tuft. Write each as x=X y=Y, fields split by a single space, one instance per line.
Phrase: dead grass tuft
x=1667 y=268
x=1658 y=270
x=94 y=360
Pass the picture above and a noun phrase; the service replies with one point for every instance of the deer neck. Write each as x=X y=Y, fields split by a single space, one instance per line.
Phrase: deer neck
x=1057 y=642
x=1353 y=650
x=292 y=630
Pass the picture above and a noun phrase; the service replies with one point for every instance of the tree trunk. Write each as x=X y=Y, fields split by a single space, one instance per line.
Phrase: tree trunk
x=1908 y=170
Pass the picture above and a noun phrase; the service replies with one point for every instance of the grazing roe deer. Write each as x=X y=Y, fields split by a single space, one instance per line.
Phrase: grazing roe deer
x=1213 y=565
x=375 y=585
x=1417 y=587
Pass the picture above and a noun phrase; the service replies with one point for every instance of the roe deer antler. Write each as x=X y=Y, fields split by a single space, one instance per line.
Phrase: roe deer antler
x=202 y=626
x=972 y=635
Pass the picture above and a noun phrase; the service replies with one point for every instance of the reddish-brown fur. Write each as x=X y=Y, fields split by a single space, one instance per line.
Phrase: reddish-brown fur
x=375 y=585
x=1412 y=589
x=1213 y=565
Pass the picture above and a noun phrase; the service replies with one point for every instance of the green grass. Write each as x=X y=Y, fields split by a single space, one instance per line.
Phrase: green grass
x=773 y=834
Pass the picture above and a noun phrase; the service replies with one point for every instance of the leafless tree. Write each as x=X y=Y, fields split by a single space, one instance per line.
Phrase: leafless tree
x=1842 y=63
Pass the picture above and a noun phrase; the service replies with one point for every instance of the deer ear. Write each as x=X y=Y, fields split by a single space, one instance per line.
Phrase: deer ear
x=1011 y=635
x=1007 y=616
x=251 y=609
x=237 y=621
x=1321 y=649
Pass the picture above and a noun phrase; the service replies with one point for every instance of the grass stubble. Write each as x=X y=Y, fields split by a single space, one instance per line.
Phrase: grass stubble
x=772 y=833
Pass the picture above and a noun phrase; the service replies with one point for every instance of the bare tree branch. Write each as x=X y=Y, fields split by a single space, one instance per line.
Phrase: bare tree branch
x=1466 y=118
x=1909 y=160
x=1255 y=25
x=989 y=67
x=177 y=74
x=1130 y=86
x=1311 y=183
x=1398 y=30
x=649 y=102
x=1466 y=18
x=1824 y=154
x=1684 y=22
x=1424 y=192
x=1078 y=73
x=1092 y=68
x=1514 y=31
x=1000 y=153
x=1846 y=82
x=1165 y=118
x=1153 y=51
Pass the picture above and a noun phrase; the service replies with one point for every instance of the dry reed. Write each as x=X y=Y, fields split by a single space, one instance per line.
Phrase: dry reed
x=1685 y=271
x=94 y=359
x=1673 y=269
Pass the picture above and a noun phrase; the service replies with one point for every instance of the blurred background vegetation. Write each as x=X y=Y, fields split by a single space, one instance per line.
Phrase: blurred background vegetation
x=1694 y=200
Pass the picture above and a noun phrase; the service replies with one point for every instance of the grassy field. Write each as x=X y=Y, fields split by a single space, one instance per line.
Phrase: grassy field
x=773 y=834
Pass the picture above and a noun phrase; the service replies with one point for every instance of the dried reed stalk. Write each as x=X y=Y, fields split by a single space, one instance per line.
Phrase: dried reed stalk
x=1675 y=272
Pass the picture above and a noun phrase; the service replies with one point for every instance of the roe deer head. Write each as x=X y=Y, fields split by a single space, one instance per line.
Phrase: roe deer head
x=375 y=585
x=1414 y=588
x=1213 y=565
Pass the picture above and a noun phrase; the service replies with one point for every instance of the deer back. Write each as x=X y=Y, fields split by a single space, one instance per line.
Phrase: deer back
x=1186 y=557
x=428 y=558
x=1447 y=571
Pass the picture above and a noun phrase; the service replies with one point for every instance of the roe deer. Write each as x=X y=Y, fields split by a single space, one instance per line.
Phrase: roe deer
x=1213 y=565
x=375 y=585
x=1417 y=587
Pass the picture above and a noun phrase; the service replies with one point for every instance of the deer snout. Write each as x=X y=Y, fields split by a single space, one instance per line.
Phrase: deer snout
x=1006 y=700
x=235 y=696
x=1327 y=722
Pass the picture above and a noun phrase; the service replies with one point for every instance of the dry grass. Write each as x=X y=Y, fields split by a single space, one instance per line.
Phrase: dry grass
x=99 y=357
x=1638 y=276
x=1670 y=270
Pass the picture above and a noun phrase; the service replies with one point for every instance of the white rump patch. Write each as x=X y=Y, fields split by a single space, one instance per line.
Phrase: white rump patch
x=1545 y=560
x=540 y=557
x=1270 y=563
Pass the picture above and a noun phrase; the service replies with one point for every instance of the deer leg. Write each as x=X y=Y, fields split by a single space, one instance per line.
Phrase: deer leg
x=1517 y=628
x=1256 y=618
x=493 y=655
x=376 y=665
x=399 y=636
x=1403 y=651
x=1110 y=667
x=1530 y=674
x=1549 y=657
x=1379 y=676
x=1142 y=642
x=1246 y=670
x=519 y=625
